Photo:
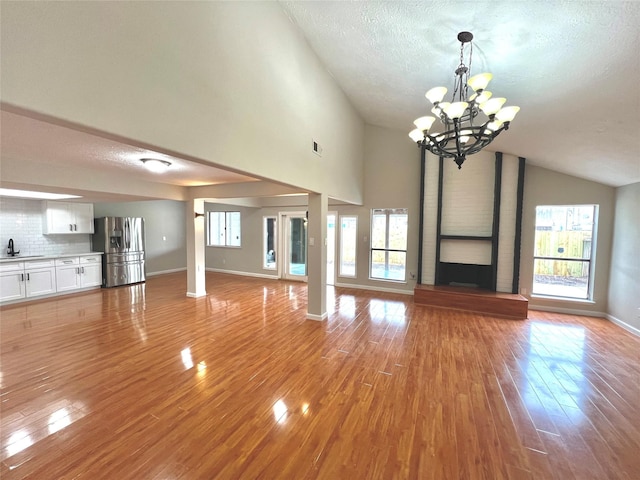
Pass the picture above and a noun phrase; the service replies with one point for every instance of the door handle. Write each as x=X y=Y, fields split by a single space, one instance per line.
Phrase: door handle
x=22 y=277
x=71 y=227
x=28 y=276
x=82 y=269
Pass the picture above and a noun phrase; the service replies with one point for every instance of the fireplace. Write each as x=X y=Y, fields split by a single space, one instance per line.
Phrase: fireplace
x=464 y=275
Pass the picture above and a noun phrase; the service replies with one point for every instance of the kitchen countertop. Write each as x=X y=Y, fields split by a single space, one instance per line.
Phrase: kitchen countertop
x=20 y=258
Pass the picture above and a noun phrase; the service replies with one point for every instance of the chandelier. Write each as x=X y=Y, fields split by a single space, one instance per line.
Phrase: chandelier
x=463 y=131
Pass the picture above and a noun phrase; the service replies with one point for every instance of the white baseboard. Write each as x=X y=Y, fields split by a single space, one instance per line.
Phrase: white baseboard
x=624 y=325
x=196 y=294
x=375 y=289
x=569 y=311
x=317 y=318
x=163 y=272
x=244 y=274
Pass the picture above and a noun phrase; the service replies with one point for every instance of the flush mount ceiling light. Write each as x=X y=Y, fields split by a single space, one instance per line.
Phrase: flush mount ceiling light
x=9 y=192
x=155 y=165
x=463 y=131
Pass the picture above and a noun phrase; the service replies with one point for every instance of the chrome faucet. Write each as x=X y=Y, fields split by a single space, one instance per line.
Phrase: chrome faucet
x=11 y=251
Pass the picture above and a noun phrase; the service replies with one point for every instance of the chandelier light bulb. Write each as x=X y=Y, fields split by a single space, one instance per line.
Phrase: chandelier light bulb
x=480 y=97
x=456 y=110
x=416 y=135
x=492 y=106
x=507 y=113
x=438 y=109
x=436 y=94
x=424 y=123
x=479 y=81
x=493 y=126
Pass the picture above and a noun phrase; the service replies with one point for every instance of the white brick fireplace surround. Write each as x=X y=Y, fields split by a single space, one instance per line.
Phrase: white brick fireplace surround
x=467 y=211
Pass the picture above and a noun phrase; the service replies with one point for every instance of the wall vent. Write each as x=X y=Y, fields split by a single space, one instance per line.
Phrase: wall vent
x=317 y=149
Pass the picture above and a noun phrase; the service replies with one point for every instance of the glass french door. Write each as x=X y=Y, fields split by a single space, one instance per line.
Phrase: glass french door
x=295 y=246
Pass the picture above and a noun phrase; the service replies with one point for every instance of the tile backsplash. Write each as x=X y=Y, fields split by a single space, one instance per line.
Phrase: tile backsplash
x=21 y=219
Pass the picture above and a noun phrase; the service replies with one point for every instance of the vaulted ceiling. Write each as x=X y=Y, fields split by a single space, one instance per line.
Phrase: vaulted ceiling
x=572 y=67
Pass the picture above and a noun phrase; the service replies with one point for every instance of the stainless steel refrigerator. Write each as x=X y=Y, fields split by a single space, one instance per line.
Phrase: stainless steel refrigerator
x=122 y=241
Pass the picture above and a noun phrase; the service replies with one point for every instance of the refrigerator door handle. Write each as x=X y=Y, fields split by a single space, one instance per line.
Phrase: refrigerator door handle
x=127 y=234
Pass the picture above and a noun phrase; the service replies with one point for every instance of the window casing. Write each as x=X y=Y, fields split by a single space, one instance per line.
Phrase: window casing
x=269 y=243
x=564 y=251
x=224 y=229
x=388 y=260
x=348 y=245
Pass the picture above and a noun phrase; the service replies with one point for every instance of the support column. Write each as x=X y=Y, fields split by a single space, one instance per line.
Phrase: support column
x=317 y=257
x=196 y=283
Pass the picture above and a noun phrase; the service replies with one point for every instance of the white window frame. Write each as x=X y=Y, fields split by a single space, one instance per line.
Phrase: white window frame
x=265 y=253
x=562 y=291
x=341 y=273
x=225 y=238
x=388 y=212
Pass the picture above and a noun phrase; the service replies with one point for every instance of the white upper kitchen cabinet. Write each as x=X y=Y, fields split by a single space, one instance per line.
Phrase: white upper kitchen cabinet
x=67 y=217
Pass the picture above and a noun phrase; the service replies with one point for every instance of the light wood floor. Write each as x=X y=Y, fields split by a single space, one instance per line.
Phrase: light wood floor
x=142 y=382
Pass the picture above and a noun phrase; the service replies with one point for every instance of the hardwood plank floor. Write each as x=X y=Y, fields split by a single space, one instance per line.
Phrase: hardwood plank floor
x=141 y=382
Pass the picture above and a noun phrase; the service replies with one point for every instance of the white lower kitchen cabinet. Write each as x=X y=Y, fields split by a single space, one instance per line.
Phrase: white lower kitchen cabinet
x=27 y=279
x=12 y=285
x=90 y=271
x=74 y=273
x=46 y=276
x=40 y=278
x=68 y=274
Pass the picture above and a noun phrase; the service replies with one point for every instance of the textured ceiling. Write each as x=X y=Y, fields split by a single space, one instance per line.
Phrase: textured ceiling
x=573 y=68
x=33 y=140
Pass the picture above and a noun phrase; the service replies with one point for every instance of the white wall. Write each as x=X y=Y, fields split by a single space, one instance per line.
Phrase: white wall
x=392 y=180
x=545 y=187
x=231 y=83
x=247 y=258
x=624 y=276
x=165 y=234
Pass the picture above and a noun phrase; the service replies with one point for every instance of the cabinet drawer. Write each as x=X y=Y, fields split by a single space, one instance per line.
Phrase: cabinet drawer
x=61 y=262
x=31 y=264
x=91 y=259
x=12 y=267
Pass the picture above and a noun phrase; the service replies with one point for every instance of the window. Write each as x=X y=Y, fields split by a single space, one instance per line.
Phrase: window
x=269 y=242
x=348 y=242
x=224 y=229
x=563 y=253
x=389 y=244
